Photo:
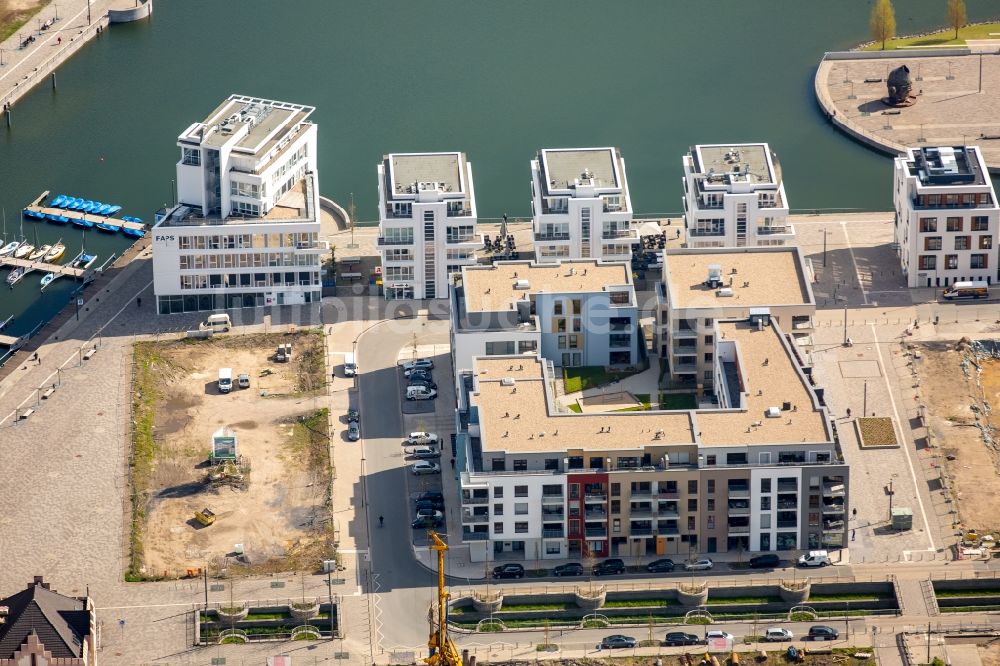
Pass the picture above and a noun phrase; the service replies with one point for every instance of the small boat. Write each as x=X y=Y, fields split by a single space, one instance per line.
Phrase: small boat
x=15 y=275
x=39 y=253
x=84 y=260
x=80 y=222
x=47 y=278
x=23 y=250
x=55 y=252
x=129 y=218
x=87 y=207
x=32 y=214
x=58 y=201
x=9 y=248
x=74 y=204
x=137 y=233
x=58 y=219
x=105 y=227
x=103 y=210
x=114 y=209
x=96 y=207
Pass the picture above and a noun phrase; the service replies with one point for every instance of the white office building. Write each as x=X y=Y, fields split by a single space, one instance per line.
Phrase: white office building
x=947 y=216
x=245 y=229
x=427 y=222
x=581 y=206
x=734 y=197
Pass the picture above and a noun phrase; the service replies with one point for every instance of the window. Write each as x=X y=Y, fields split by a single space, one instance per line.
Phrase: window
x=932 y=243
x=710 y=460
x=709 y=339
x=708 y=357
x=499 y=348
x=711 y=523
x=499 y=465
x=710 y=505
x=574 y=462
x=577 y=306
x=241 y=189
x=562 y=342
x=813 y=519
x=692 y=505
x=520 y=528
x=460 y=234
x=619 y=297
x=616 y=506
x=986 y=242
x=693 y=487
x=398 y=236
x=520 y=491
x=980 y=223
x=557 y=308
x=574 y=342
x=520 y=465
x=498 y=509
x=978 y=261
x=927 y=262
x=243 y=208
x=559 y=324
x=552 y=548
x=596 y=462
x=398 y=254
x=711 y=486
x=736 y=458
x=398 y=273
x=497 y=492
x=616 y=489
x=951 y=261
x=963 y=242
x=765 y=521
x=552 y=464
x=765 y=485
x=191 y=156
x=708 y=322
x=691 y=526
x=428 y=216
x=521 y=509
x=954 y=223
x=498 y=528
x=928 y=224
x=527 y=346
x=402 y=209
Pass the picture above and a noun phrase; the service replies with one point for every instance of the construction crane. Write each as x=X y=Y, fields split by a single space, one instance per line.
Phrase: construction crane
x=442 y=650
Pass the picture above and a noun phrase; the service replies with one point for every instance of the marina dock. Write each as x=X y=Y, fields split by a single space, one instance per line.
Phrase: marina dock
x=76 y=215
x=58 y=269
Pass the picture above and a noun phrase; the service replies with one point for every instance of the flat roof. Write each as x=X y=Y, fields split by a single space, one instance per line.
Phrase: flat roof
x=493 y=288
x=770 y=379
x=268 y=121
x=946 y=165
x=735 y=162
x=563 y=167
x=763 y=277
x=294 y=206
x=408 y=173
x=517 y=418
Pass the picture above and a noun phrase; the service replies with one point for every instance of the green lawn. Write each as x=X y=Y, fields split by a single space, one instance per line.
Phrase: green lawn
x=985 y=592
x=678 y=401
x=942 y=38
x=589 y=376
x=573 y=407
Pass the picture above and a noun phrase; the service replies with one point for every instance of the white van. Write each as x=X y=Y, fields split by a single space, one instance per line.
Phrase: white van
x=225 y=380
x=216 y=323
x=350 y=365
x=420 y=392
x=815 y=558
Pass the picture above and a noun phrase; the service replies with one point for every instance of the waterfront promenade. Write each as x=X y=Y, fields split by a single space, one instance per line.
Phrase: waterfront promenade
x=957 y=94
x=23 y=68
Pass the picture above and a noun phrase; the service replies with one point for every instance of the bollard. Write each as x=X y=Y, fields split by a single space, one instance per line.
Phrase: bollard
x=53 y=80
x=8 y=117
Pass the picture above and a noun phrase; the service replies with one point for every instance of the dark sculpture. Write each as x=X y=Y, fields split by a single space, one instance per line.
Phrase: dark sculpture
x=899 y=86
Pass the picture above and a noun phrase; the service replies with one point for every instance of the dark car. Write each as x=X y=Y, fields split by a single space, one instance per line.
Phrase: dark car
x=425 y=522
x=353 y=416
x=428 y=504
x=681 y=638
x=424 y=375
x=430 y=496
x=821 y=632
x=508 y=571
x=766 y=561
x=423 y=382
x=570 y=569
x=660 y=566
x=609 y=567
x=616 y=641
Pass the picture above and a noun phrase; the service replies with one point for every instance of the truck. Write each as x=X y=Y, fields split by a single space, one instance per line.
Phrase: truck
x=225 y=380
x=217 y=323
x=967 y=289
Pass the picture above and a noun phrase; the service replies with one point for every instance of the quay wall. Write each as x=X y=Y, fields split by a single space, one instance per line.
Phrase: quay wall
x=143 y=9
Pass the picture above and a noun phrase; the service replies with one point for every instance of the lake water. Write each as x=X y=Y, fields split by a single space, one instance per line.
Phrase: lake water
x=498 y=80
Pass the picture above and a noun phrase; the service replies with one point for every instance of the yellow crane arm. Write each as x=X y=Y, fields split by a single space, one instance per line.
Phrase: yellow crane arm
x=443 y=650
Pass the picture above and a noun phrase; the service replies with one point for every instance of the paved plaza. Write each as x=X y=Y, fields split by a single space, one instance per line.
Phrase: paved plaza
x=953 y=105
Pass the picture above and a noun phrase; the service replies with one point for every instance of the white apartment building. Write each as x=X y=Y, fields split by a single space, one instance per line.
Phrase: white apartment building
x=245 y=229
x=575 y=313
x=702 y=286
x=581 y=206
x=427 y=222
x=734 y=197
x=947 y=217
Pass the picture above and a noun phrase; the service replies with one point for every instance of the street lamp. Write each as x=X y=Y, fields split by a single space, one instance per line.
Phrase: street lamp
x=891 y=493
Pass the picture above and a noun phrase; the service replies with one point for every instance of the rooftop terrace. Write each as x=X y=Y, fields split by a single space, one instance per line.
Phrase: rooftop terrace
x=410 y=173
x=759 y=277
x=495 y=288
x=266 y=122
x=726 y=164
x=946 y=165
x=563 y=168
x=295 y=205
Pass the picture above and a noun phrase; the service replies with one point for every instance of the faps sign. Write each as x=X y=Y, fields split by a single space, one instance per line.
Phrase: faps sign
x=164 y=239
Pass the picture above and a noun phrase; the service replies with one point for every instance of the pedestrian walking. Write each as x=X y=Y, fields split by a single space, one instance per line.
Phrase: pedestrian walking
x=854 y=512
x=453 y=463
x=138 y=302
x=38 y=359
x=848 y=412
x=852 y=534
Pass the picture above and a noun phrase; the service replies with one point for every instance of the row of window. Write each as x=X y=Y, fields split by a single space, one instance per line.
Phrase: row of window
x=985 y=242
x=247 y=241
x=398 y=273
x=507 y=347
x=248 y=260
x=977 y=222
x=289 y=164
x=232 y=280
x=460 y=234
x=616 y=248
x=929 y=262
x=240 y=189
x=954 y=200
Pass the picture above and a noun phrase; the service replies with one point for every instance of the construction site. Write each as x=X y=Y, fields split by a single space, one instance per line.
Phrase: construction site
x=231 y=466
x=959 y=385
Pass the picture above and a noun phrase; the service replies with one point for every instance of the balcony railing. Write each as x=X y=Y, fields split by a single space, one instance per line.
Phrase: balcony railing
x=459 y=212
x=475 y=500
x=641 y=531
x=784 y=524
x=642 y=494
x=833 y=489
x=382 y=240
x=788 y=504
x=684 y=333
x=596 y=532
x=833 y=508
x=684 y=368
x=608 y=234
x=476 y=518
x=595 y=515
x=475 y=536
x=553 y=533
x=667 y=531
x=667 y=513
x=641 y=513
x=588 y=497
x=550 y=499
x=739 y=492
x=454 y=240
x=769 y=230
x=553 y=515
x=698 y=233
x=788 y=486
x=739 y=529
x=739 y=511
x=552 y=237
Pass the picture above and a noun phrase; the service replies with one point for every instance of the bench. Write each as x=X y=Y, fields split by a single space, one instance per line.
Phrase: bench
x=48 y=393
x=25 y=414
x=90 y=352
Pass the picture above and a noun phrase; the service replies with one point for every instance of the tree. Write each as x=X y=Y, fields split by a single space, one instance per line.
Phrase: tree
x=883 y=21
x=956 y=15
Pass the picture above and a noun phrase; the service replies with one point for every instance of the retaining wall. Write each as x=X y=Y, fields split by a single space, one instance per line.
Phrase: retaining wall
x=143 y=9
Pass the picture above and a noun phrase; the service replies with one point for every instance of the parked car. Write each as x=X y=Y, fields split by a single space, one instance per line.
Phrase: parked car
x=609 y=567
x=430 y=513
x=681 y=638
x=421 y=437
x=353 y=415
x=428 y=504
x=717 y=634
x=425 y=522
x=815 y=558
x=420 y=393
x=511 y=570
x=425 y=467
x=777 y=635
x=616 y=641
x=424 y=375
x=422 y=382
x=353 y=431
x=821 y=632
x=660 y=566
x=703 y=564
x=243 y=380
x=424 y=452
x=430 y=496
x=417 y=364
x=569 y=569
x=765 y=561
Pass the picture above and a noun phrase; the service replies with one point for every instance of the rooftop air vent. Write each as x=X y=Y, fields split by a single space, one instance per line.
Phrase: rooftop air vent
x=507 y=381
x=522 y=284
x=714 y=276
x=773 y=412
x=725 y=292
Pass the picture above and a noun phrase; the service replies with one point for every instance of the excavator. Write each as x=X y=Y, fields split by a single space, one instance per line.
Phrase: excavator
x=442 y=650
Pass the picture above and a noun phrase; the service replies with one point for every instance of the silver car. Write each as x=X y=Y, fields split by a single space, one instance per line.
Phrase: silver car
x=425 y=467
x=698 y=565
x=425 y=452
x=353 y=431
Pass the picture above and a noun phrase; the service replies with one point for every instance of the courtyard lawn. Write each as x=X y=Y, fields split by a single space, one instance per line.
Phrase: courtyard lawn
x=946 y=37
x=589 y=376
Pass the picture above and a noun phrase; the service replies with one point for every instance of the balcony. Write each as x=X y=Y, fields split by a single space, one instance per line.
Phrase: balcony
x=802 y=324
x=736 y=530
x=684 y=333
x=456 y=240
x=788 y=486
x=641 y=531
x=595 y=498
x=459 y=212
x=739 y=492
x=833 y=489
x=684 y=368
x=788 y=504
x=667 y=531
x=668 y=494
x=596 y=532
x=595 y=514
x=476 y=518
x=553 y=533
x=552 y=237
x=552 y=499
x=774 y=230
x=701 y=233
x=382 y=240
x=475 y=500
x=786 y=524
x=739 y=511
x=667 y=513
x=833 y=509
x=475 y=536
x=833 y=526
x=640 y=513
x=553 y=515
x=609 y=234
x=642 y=493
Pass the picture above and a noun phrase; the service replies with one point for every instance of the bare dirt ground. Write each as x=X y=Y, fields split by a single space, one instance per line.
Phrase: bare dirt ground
x=281 y=518
x=949 y=396
x=989 y=653
x=13 y=14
